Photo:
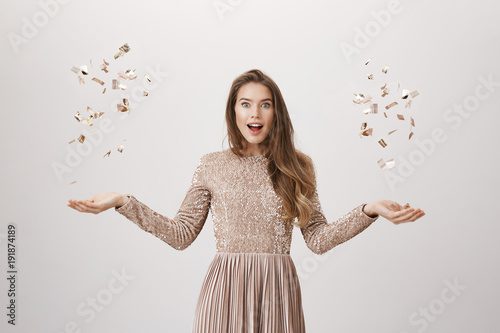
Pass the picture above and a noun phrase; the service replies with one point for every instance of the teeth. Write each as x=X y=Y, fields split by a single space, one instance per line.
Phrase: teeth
x=254 y=125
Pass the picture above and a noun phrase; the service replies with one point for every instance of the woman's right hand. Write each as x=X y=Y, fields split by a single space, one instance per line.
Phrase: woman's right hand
x=99 y=202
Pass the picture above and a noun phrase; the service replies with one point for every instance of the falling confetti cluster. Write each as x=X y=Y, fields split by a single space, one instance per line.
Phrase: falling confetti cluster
x=117 y=83
x=391 y=102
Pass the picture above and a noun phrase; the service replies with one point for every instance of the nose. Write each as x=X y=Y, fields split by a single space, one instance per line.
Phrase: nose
x=255 y=112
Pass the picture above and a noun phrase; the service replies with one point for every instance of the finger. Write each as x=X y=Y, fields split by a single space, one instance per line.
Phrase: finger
x=90 y=206
x=405 y=217
x=401 y=213
x=411 y=217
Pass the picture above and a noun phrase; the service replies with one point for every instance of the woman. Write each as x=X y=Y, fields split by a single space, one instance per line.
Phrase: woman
x=257 y=190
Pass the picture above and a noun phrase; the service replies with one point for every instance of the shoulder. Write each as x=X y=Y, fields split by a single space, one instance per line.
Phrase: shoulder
x=214 y=157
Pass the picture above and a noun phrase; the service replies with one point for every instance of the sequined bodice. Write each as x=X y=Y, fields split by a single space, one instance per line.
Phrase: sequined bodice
x=245 y=207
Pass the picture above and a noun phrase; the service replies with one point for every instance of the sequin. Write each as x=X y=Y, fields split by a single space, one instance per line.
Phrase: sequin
x=245 y=209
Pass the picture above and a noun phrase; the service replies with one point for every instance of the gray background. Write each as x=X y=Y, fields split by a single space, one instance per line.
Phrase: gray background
x=379 y=281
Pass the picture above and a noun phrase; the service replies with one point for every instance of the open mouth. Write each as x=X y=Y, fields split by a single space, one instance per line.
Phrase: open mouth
x=255 y=129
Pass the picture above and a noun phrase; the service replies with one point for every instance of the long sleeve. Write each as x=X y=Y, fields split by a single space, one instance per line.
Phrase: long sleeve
x=321 y=236
x=183 y=229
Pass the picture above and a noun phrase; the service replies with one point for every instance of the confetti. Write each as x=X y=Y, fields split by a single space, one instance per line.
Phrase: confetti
x=145 y=93
x=361 y=99
x=147 y=78
x=414 y=94
x=391 y=105
x=98 y=81
x=71 y=141
x=107 y=154
x=115 y=84
x=411 y=134
x=405 y=93
x=385 y=69
x=370 y=76
x=81 y=80
x=401 y=117
x=74 y=181
x=104 y=90
x=104 y=67
x=123 y=49
x=398 y=86
x=76 y=70
x=408 y=104
x=367 y=132
x=122 y=108
x=78 y=116
x=392 y=131
x=412 y=122
x=95 y=114
x=382 y=143
x=87 y=121
x=81 y=138
x=366 y=63
x=386 y=165
x=120 y=148
x=84 y=70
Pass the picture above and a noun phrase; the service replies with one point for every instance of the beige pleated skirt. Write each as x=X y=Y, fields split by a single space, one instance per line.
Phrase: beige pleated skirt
x=250 y=292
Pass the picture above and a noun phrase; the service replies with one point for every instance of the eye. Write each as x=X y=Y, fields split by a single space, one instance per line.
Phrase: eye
x=268 y=105
x=244 y=104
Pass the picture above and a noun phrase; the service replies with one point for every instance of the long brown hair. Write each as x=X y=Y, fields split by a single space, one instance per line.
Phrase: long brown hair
x=291 y=171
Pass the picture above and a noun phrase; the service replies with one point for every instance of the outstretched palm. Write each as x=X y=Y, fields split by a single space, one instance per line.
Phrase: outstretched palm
x=98 y=203
x=396 y=213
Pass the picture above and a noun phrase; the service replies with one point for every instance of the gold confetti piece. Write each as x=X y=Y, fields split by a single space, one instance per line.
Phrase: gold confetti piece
x=407 y=205
x=367 y=132
x=125 y=102
x=385 y=114
x=375 y=108
x=72 y=141
x=78 y=116
x=411 y=134
x=145 y=93
x=366 y=63
x=412 y=122
x=385 y=69
x=81 y=80
x=147 y=78
x=122 y=108
x=94 y=114
x=74 y=181
x=392 y=131
x=123 y=49
x=401 y=117
x=408 y=104
x=87 y=121
x=390 y=164
x=120 y=148
x=370 y=76
x=75 y=69
x=98 y=81
x=404 y=94
x=382 y=88
x=104 y=66
x=386 y=165
x=131 y=74
x=84 y=70
x=391 y=105
x=104 y=90
x=81 y=138
x=106 y=63
x=361 y=99
x=107 y=154
x=115 y=84
x=382 y=143
x=414 y=94
x=363 y=126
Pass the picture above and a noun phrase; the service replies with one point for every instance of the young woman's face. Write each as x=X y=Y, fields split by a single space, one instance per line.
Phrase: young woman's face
x=254 y=105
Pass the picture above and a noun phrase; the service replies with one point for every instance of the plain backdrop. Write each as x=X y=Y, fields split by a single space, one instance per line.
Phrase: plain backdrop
x=439 y=274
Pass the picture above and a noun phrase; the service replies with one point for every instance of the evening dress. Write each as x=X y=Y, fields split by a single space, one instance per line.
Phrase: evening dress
x=251 y=284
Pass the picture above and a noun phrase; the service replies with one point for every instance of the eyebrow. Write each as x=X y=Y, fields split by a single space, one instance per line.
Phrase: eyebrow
x=265 y=99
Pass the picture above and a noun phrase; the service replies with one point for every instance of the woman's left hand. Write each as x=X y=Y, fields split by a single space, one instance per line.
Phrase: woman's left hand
x=393 y=211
